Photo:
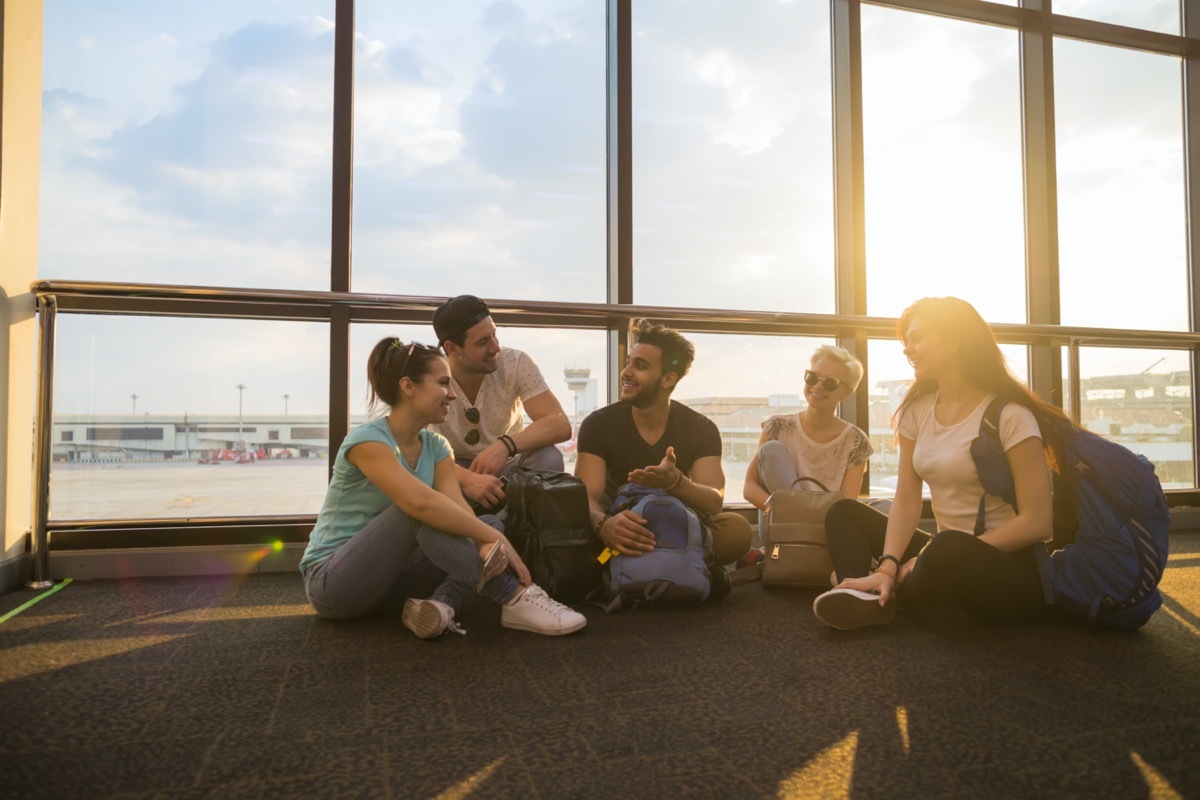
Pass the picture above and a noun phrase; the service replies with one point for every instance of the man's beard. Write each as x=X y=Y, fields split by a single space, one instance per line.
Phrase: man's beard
x=646 y=396
x=482 y=367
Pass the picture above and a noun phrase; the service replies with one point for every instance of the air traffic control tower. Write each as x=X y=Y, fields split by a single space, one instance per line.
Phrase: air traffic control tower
x=584 y=387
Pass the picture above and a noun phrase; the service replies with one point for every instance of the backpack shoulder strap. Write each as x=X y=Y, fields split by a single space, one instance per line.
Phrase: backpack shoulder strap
x=988 y=426
x=628 y=495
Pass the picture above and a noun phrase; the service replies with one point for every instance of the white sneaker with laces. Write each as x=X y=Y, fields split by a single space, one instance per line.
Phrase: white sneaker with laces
x=428 y=618
x=537 y=612
x=847 y=609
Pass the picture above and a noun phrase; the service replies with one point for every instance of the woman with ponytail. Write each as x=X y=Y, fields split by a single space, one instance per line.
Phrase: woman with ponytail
x=958 y=370
x=395 y=531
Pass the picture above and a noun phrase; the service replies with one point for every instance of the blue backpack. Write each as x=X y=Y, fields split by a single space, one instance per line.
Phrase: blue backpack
x=675 y=572
x=1110 y=524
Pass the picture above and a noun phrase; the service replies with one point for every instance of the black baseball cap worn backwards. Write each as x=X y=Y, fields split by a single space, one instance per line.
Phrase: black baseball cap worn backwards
x=458 y=315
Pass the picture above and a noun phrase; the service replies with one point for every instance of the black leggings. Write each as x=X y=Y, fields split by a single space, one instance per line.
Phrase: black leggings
x=953 y=568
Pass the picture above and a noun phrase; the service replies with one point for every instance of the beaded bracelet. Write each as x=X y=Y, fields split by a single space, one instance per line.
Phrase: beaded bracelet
x=509 y=445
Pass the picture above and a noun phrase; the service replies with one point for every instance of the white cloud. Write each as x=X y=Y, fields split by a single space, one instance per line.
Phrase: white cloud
x=409 y=127
x=229 y=183
x=368 y=50
x=318 y=25
x=757 y=102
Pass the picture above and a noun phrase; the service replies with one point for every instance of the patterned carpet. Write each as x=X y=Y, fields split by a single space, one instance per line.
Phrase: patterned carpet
x=232 y=688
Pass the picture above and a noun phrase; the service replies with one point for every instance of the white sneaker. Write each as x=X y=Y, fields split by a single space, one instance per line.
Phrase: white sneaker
x=536 y=612
x=428 y=618
x=847 y=609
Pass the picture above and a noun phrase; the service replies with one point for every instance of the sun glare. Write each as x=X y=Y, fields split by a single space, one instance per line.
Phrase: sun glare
x=32 y=659
x=827 y=775
x=232 y=613
x=1159 y=787
x=902 y=724
x=466 y=788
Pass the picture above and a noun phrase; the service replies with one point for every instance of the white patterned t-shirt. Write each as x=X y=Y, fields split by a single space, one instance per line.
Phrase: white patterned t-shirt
x=825 y=461
x=500 y=401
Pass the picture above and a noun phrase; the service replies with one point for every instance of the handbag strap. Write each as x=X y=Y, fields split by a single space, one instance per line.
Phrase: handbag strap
x=811 y=480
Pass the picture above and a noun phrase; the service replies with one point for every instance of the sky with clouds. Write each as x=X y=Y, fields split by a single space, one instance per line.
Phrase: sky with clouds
x=191 y=144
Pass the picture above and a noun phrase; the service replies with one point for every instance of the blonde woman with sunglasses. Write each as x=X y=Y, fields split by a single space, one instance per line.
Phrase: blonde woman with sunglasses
x=394 y=530
x=814 y=443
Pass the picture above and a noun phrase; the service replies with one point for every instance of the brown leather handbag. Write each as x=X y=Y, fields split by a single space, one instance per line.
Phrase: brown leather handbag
x=797 y=553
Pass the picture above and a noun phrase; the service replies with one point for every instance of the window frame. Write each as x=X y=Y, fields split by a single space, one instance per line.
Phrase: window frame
x=849 y=326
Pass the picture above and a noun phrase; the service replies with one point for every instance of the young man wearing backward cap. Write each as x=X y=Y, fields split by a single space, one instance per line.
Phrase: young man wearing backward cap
x=485 y=426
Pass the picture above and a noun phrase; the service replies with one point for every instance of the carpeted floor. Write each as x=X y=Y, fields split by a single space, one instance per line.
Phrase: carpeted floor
x=231 y=688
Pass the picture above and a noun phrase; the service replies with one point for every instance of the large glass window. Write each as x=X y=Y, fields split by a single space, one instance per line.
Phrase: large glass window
x=1121 y=204
x=732 y=155
x=942 y=163
x=187 y=143
x=1155 y=15
x=740 y=381
x=479 y=149
x=159 y=417
x=1143 y=400
x=192 y=144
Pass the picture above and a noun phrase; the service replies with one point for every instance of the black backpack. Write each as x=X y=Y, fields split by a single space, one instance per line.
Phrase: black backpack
x=549 y=525
x=1110 y=524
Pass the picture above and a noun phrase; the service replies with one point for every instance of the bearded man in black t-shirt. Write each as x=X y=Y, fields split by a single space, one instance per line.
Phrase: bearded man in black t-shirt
x=648 y=438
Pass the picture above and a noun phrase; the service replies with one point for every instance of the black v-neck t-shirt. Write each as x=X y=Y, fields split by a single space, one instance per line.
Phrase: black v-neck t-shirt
x=609 y=433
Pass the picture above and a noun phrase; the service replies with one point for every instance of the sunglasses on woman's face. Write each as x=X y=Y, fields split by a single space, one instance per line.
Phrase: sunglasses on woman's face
x=828 y=384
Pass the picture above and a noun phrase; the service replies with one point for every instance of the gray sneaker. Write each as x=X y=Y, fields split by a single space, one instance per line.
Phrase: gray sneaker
x=428 y=618
x=536 y=612
x=847 y=609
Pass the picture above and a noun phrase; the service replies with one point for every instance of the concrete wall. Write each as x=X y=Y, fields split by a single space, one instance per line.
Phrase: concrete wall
x=20 y=137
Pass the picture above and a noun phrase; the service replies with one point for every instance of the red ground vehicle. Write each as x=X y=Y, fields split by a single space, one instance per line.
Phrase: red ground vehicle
x=236 y=456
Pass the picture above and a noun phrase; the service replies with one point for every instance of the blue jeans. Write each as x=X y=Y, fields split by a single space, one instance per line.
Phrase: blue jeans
x=395 y=557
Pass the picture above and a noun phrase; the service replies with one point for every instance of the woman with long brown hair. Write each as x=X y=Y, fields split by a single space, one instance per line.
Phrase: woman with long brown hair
x=958 y=370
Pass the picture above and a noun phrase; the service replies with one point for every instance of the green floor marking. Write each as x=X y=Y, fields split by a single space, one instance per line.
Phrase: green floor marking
x=40 y=597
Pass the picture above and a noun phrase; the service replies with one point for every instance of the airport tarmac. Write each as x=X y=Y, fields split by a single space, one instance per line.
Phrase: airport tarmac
x=187 y=490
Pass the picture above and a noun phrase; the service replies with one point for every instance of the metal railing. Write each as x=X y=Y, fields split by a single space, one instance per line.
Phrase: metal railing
x=343 y=308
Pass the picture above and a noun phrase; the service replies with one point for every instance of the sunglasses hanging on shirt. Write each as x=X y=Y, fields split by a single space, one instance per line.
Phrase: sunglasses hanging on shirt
x=472 y=437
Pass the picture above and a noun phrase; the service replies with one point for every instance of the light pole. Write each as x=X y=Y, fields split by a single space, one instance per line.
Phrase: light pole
x=240 y=387
x=285 y=399
x=134 y=397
